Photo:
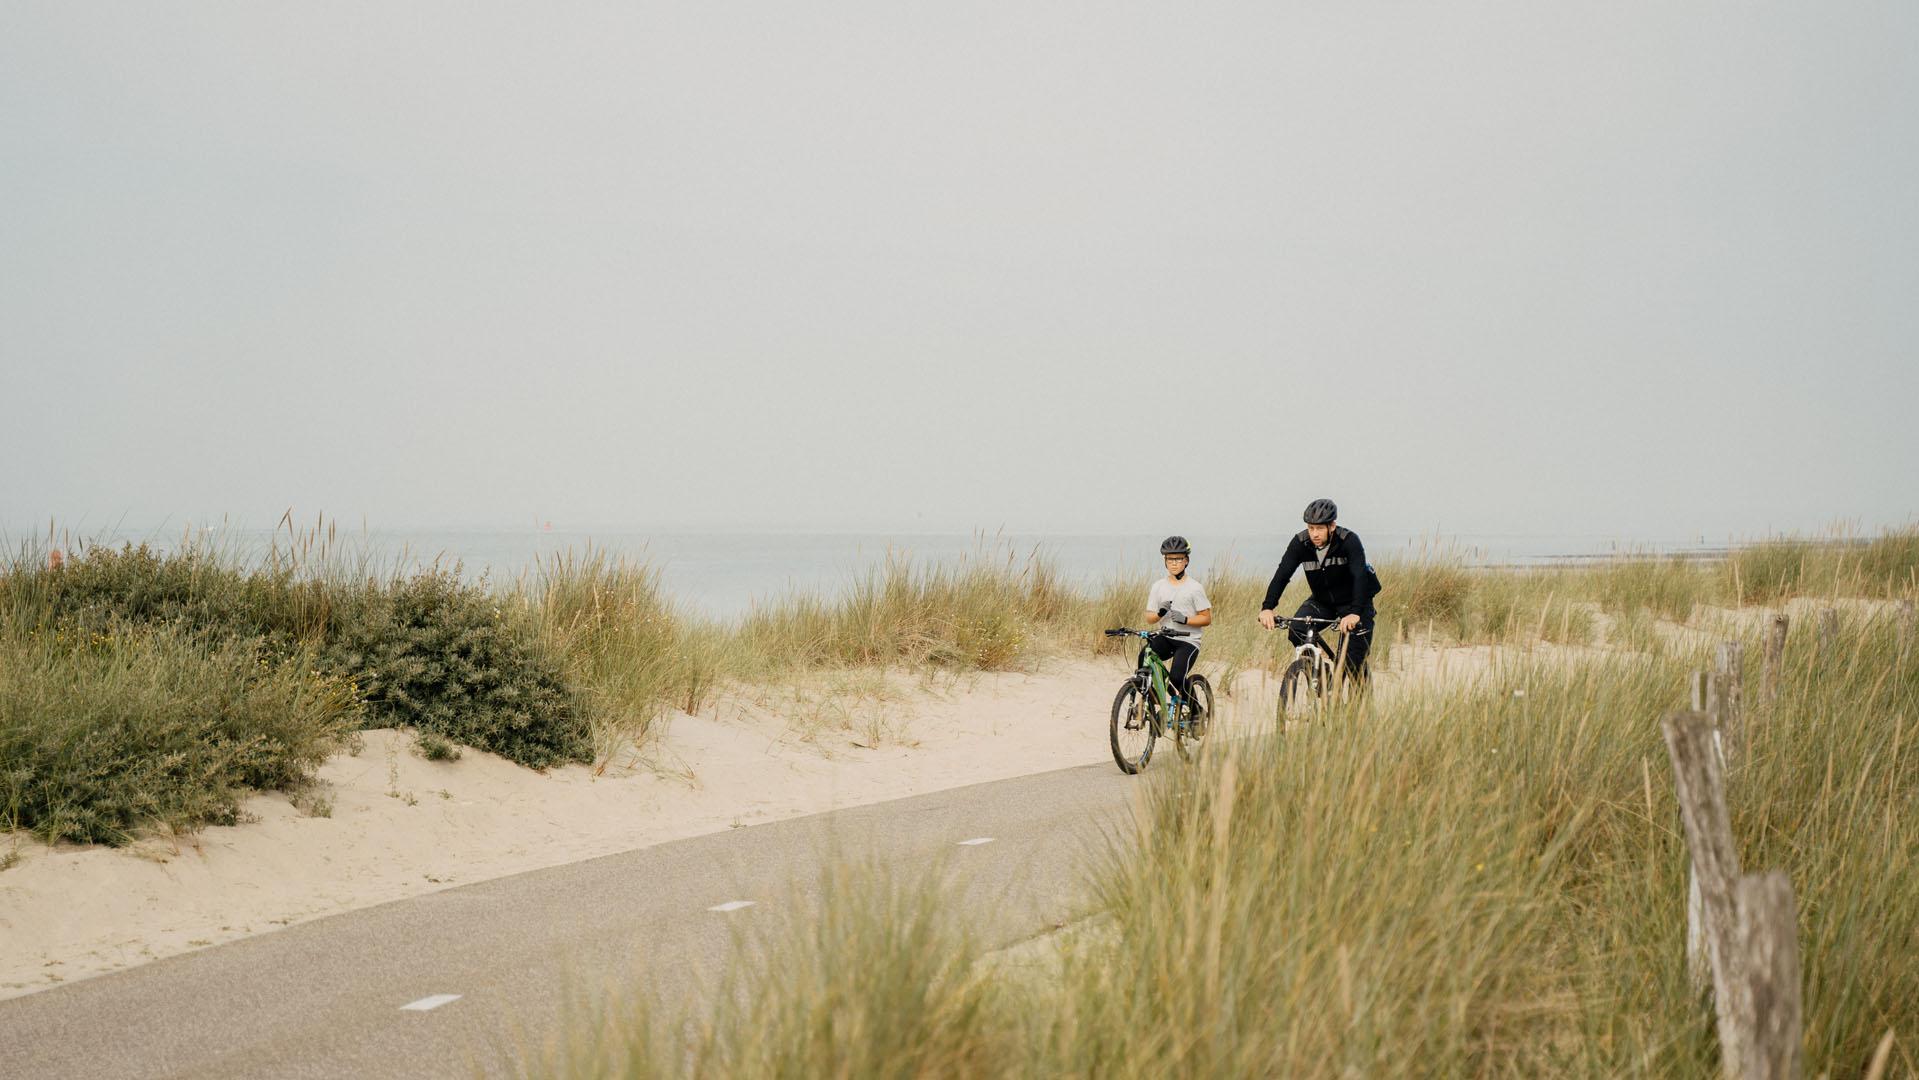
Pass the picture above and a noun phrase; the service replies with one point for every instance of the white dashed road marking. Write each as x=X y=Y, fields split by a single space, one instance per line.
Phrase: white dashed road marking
x=976 y=841
x=731 y=905
x=427 y=1004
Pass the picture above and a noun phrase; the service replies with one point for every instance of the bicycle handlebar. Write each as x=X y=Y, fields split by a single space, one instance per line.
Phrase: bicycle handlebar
x=1309 y=621
x=1127 y=631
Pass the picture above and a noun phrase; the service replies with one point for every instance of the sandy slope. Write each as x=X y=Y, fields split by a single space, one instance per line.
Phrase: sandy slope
x=401 y=826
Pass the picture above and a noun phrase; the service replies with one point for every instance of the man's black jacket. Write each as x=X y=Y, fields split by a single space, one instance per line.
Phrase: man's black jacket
x=1340 y=581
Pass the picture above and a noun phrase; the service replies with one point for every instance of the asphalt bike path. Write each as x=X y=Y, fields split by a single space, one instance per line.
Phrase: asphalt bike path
x=372 y=993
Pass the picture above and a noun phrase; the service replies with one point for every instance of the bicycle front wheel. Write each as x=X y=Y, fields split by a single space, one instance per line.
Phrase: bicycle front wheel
x=1132 y=729
x=1199 y=717
x=1300 y=687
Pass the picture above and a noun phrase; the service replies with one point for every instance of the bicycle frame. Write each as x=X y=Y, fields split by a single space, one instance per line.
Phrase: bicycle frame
x=1331 y=665
x=1156 y=671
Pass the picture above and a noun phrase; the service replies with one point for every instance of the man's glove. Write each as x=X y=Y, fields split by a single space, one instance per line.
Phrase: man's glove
x=1170 y=615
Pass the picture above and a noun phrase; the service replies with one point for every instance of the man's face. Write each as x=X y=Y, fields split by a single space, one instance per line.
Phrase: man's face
x=1320 y=533
x=1175 y=564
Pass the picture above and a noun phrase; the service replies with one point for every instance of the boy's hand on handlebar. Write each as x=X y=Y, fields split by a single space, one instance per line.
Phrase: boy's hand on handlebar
x=1348 y=623
x=1266 y=619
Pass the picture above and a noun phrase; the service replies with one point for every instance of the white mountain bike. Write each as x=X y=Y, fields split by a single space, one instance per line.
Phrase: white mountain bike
x=1312 y=678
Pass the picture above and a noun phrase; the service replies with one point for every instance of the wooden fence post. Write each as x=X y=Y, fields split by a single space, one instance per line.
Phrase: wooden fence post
x=1769 y=953
x=1906 y=620
x=1775 y=654
x=1705 y=700
x=1729 y=704
x=1700 y=781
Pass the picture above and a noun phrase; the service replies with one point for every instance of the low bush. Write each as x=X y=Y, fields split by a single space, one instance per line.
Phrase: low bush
x=431 y=653
x=104 y=731
x=426 y=651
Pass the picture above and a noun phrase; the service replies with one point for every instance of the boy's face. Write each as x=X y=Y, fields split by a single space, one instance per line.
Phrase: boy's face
x=1319 y=533
x=1175 y=564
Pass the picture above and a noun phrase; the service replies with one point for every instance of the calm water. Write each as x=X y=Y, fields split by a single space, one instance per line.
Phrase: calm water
x=722 y=574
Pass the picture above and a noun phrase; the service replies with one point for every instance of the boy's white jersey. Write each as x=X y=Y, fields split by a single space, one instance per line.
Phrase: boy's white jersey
x=1187 y=596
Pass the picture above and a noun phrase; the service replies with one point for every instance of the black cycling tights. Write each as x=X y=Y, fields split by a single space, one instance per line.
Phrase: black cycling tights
x=1179 y=657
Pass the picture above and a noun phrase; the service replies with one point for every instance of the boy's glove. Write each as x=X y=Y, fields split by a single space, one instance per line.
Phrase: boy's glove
x=1169 y=615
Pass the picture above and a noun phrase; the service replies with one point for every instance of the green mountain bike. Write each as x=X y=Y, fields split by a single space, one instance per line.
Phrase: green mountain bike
x=1147 y=710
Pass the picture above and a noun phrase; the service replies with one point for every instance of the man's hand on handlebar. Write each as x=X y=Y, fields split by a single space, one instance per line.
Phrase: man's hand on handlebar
x=1266 y=619
x=1348 y=623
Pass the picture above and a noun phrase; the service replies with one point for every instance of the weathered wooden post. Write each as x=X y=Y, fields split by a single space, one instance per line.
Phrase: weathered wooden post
x=1769 y=952
x=1700 y=781
x=1705 y=701
x=1775 y=654
x=1906 y=629
x=1729 y=696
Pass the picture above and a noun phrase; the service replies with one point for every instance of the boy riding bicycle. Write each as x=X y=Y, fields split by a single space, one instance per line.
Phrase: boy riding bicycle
x=1178 y=605
x=1342 y=584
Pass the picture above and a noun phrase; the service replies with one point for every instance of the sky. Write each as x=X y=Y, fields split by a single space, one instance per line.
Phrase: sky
x=1620 y=269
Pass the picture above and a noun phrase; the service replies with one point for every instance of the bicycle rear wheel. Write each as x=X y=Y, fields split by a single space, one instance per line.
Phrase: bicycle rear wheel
x=1300 y=687
x=1188 y=735
x=1132 y=729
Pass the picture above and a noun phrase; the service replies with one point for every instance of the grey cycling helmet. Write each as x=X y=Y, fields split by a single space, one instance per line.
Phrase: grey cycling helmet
x=1175 y=545
x=1321 y=512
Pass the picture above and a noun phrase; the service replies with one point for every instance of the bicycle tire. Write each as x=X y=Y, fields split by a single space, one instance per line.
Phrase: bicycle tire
x=1132 y=725
x=1187 y=738
x=1300 y=687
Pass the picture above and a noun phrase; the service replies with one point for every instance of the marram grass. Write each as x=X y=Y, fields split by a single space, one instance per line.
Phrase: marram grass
x=583 y=655
x=1481 y=884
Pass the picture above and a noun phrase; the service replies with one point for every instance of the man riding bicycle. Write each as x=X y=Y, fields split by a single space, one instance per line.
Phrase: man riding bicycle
x=1342 y=584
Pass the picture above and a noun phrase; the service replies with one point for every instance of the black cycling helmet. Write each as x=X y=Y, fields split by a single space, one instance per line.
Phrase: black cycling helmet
x=1176 y=545
x=1321 y=512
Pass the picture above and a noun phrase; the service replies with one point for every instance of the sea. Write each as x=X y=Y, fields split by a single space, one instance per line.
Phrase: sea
x=725 y=574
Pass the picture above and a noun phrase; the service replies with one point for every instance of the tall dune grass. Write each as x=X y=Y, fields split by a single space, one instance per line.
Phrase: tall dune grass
x=583 y=654
x=876 y=983
x=1487 y=882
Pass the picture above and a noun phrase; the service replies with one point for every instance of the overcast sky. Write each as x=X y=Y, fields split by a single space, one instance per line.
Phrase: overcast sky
x=1632 y=269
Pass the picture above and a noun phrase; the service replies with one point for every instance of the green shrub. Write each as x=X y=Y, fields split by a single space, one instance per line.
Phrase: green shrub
x=195 y=589
x=105 y=731
x=426 y=651
x=435 y=747
x=431 y=653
